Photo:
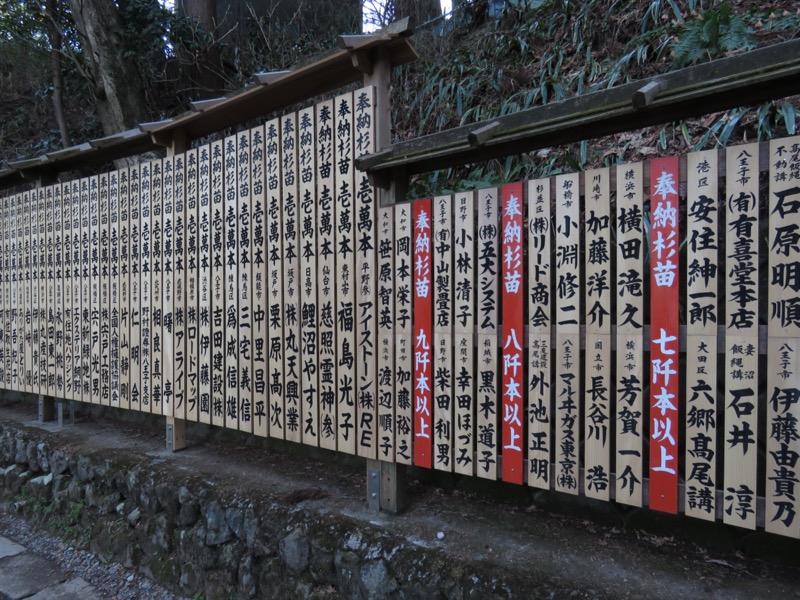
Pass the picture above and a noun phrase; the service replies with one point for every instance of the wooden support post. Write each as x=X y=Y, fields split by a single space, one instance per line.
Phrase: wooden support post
x=176 y=434
x=386 y=481
x=47 y=408
x=387 y=486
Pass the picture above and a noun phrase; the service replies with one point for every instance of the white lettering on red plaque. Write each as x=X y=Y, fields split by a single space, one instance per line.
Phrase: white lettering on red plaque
x=664 y=263
x=513 y=336
x=423 y=313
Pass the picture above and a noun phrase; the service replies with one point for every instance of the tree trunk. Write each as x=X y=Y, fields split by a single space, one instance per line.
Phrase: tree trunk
x=117 y=83
x=54 y=33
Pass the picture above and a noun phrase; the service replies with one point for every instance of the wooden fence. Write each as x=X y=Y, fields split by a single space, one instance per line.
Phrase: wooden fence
x=594 y=333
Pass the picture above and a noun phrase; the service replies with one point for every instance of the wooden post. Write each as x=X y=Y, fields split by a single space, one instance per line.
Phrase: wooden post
x=176 y=427
x=47 y=406
x=386 y=479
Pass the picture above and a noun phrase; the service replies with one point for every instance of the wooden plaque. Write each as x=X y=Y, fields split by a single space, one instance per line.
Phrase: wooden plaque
x=664 y=302
x=50 y=343
x=464 y=294
x=598 y=313
x=423 y=334
x=95 y=300
x=146 y=299
x=702 y=281
x=326 y=275
x=346 y=278
x=291 y=277
x=105 y=291
x=205 y=265
x=364 y=216
x=540 y=315
x=231 y=287
x=783 y=370
x=569 y=291
x=512 y=376
x=217 y=286
x=307 y=249
x=488 y=383
x=629 y=384
x=172 y=392
x=43 y=316
x=385 y=314
x=404 y=366
x=245 y=279
x=442 y=355
x=188 y=283
x=741 y=340
x=275 y=382
x=77 y=293
x=157 y=286
x=113 y=287
x=259 y=304
x=27 y=205
x=124 y=289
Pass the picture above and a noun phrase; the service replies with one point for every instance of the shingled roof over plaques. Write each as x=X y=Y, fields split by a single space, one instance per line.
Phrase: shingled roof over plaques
x=272 y=92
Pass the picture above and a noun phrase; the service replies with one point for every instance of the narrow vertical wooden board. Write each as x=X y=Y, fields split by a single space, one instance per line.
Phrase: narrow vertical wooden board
x=569 y=292
x=94 y=285
x=5 y=308
x=124 y=309
x=740 y=437
x=145 y=286
x=540 y=316
x=291 y=281
x=86 y=306
x=275 y=383
x=105 y=282
x=597 y=316
x=258 y=306
x=488 y=383
x=10 y=290
x=664 y=302
x=365 y=274
x=464 y=294
x=245 y=279
x=21 y=284
x=217 y=285
x=629 y=384
x=44 y=379
x=230 y=287
x=442 y=355
x=326 y=274
x=205 y=284
x=50 y=287
x=186 y=335
x=307 y=222
x=385 y=315
x=702 y=279
x=404 y=367
x=783 y=371
x=423 y=334
x=113 y=286
x=33 y=319
x=513 y=339
x=77 y=293
x=58 y=287
x=345 y=274
x=169 y=391
x=28 y=294
x=16 y=304
x=156 y=285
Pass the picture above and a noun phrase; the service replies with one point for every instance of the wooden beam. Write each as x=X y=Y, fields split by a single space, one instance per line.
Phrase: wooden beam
x=362 y=61
x=267 y=78
x=749 y=78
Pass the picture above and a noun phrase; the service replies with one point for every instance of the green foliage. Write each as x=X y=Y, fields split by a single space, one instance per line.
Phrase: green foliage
x=712 y=34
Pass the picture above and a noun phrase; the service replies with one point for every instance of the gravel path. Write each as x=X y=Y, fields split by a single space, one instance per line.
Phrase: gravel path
x=112 y=581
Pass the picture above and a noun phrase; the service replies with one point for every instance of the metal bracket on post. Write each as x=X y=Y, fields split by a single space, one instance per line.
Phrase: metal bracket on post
x=386 y=487
x=176 y=434
x=373 y=485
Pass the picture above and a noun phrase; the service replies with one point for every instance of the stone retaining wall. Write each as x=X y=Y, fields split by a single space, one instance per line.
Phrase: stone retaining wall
x=203 y=542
